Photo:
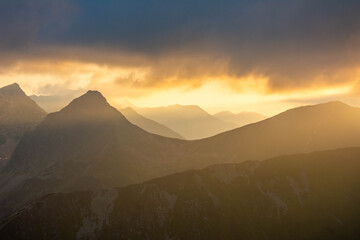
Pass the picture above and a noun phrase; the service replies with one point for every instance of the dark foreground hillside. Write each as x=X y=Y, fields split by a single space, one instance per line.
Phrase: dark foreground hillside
x=312 y=196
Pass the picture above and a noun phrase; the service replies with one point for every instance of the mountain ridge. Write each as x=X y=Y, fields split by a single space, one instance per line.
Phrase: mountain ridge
x=148 y=124
x=299 y=130
x=12 y=89
x=18 y=115
x=80 y=149
x=241 y=119
x=86 y=145
x=312 y=195
x=190 y=121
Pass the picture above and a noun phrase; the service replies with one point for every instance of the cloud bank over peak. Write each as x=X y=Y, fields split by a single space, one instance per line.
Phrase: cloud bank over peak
x=292 y=44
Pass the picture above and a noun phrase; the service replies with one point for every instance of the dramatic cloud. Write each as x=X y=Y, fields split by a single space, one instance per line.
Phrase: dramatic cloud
x=293 y=44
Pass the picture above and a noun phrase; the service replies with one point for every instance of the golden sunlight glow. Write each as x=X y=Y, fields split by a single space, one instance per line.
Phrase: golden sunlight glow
x=248 y=93
x=214 y=97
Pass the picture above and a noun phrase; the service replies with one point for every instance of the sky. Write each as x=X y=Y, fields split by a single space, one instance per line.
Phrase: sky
x=246 y=55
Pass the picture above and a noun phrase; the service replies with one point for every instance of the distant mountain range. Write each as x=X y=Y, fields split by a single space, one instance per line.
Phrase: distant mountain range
x=91 y=145
x=87 y=145
x=311 y=196
x=55 y=102
x=300 y=130
x=18 y=115
x=240 y=119
x=190 y=121
x=148 y=124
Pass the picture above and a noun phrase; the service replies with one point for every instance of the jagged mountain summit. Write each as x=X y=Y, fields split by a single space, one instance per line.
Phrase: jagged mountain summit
x=86 y=145
x=148 y=124
x=91 y=145
x=18 y=114
x=312 y=196
x=17 y=108
x=189 y=121
x=241 y=119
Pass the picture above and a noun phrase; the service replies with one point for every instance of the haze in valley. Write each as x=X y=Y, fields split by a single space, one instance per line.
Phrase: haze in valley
x=179 y=120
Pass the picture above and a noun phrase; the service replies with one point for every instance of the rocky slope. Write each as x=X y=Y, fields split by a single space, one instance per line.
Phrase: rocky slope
x=87 y=145
x=90 y=145
x=18 y=115
x=148 y=124
x=300 y=130
x=312 y=196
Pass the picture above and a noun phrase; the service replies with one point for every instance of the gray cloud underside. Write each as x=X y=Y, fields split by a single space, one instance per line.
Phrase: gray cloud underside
x=292 y=42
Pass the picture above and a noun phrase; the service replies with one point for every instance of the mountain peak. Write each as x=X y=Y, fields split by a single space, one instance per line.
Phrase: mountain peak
x=12 y=89
x=94 y=93
x=330 y=107
x=334 y=104
x=90 y=100
x=17 y=107
x=90 y=106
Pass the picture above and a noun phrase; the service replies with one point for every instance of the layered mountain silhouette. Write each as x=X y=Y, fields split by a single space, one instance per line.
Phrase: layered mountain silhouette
x=240 y=119
x=18 y=114
x=87 y=145
x=55 y=102
x=300 y=130
x=311 y=196
x=91 y=145
x=190 y=121
x=148 y=124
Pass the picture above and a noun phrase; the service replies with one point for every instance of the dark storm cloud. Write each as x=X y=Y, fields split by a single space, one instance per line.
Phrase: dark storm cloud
x=292 y=42
x=23 y=22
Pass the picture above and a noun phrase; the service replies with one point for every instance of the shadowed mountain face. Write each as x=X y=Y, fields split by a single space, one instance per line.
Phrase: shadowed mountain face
x=190 y=121
x=300 y=130
x=148 y=124
x=18 y=114
x=313 y=196
x=87 y=145
x=90 y=145
x=240 y=119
